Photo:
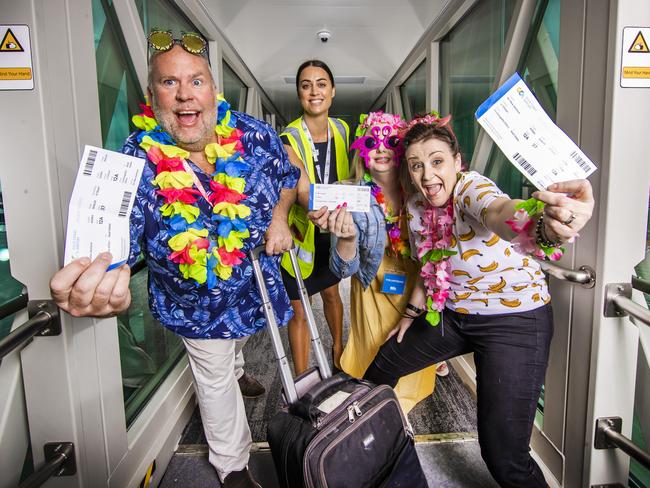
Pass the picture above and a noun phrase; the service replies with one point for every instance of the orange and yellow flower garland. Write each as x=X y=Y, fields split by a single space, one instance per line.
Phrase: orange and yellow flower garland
x=200 y=256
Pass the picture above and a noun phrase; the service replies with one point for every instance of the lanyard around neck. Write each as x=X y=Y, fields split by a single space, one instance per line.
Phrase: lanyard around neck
x=324 y=174
x=196 y=181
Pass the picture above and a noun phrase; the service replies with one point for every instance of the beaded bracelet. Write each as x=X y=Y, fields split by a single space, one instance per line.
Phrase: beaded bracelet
x=542 y=238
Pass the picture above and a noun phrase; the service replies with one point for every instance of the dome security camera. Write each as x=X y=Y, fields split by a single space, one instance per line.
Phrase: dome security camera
x=324 y=35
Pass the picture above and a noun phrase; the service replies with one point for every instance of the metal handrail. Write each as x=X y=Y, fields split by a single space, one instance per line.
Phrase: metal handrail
x=619 y=303
x=62 y=454
x=584 y=276
x=627 y=306
x=37 y=324
x=608 y=436
x=14 y=305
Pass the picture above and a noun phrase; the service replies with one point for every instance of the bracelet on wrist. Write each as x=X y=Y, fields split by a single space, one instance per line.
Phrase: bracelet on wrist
x=541 y=237
x=413 y=308
x=407 y=316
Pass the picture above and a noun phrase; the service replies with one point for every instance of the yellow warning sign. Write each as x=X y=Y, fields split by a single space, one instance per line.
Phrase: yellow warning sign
x=10 y=43
x=636 y=72
x=15 y=73
x=639 y=45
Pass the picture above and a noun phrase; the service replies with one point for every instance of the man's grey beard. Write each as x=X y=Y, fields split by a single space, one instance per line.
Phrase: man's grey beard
x=194 y=145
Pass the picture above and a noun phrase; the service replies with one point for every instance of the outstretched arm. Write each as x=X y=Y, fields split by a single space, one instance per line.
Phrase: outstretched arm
x=569 y=206
x=86 y=289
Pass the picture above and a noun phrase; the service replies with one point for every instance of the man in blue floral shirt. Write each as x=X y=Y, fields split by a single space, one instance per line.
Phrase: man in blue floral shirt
x=210 y=304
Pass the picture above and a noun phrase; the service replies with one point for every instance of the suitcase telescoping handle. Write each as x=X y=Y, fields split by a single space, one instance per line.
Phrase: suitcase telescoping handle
x=285 y=369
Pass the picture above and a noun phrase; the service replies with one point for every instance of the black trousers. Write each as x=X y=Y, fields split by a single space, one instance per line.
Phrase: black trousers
x=511 y=355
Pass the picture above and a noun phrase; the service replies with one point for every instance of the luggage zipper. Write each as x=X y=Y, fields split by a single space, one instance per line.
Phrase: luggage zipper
x=321 y=421
x=332 y=425
x=358 y=411
x=353 y=409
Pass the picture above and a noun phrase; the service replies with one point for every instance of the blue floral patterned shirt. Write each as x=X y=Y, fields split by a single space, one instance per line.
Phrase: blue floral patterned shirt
x=233 y=308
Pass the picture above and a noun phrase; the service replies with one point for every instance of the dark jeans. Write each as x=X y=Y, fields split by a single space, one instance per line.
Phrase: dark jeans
x=511 y=355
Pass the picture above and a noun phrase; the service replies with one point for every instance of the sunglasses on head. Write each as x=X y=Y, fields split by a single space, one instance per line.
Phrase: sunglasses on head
x=192 y=42
x=380 y=135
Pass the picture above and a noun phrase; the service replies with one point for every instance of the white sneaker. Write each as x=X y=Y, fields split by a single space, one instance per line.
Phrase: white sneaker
x=442 y=369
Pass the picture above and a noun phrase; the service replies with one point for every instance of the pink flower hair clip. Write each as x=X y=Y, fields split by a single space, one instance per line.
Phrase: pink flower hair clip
x=429 y=119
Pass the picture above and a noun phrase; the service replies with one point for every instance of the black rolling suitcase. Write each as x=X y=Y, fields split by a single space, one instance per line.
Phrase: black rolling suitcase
x=336 y=431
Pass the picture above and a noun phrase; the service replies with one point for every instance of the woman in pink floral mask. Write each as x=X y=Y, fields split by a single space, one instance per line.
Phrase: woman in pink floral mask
x=384 y=273
x=480 y=290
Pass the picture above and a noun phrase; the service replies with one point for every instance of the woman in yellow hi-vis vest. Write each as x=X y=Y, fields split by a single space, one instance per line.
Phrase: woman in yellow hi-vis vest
x=318 y=145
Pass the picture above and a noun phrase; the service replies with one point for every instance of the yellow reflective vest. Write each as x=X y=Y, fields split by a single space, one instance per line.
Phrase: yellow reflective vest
x=301 y=227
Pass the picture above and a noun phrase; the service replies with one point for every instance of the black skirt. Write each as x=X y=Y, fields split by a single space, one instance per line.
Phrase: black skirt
x=321 y=277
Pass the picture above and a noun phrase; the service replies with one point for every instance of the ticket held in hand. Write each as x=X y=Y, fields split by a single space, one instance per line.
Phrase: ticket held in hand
x=101 y=204
x=356 y=197
x=526 y=135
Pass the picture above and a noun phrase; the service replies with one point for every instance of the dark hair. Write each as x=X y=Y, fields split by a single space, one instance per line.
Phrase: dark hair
x=422 y=132
x=318 y=64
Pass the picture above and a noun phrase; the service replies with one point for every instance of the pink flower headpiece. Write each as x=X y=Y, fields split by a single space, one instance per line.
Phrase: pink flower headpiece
x=378 y=118
x=429 y=119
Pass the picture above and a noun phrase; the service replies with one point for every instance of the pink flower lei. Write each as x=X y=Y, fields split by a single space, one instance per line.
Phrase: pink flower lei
x=434 y=252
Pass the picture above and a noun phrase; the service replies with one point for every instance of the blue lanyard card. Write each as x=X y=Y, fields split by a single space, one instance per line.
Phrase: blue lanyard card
x=393 y=283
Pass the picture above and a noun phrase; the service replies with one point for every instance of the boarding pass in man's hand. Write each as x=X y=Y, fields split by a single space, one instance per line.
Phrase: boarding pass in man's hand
x=331 y=196
x=101 y=204
x=518 y=124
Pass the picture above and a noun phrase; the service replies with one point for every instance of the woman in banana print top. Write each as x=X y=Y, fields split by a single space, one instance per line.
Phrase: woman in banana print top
x=494 y=301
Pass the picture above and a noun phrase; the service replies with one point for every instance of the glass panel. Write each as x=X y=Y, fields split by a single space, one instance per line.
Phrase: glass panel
x=539 y=69
x=119 y=90
x=266 y=114
x=642 y=269
x=639 y=475
x=163 y=14
x=148 y=351
x=234 y=89
x=414 y=93
x=469 y=58
x=9 y=287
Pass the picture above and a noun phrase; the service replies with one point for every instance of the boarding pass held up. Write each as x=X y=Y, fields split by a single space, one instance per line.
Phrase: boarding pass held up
x=518 y=124
x=101 y=204
x=331 y=196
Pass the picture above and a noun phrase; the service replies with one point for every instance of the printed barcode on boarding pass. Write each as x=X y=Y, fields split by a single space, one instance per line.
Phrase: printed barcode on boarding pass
x=124 y=206
x=521 y=161
x=578 y=159
x=90 y=162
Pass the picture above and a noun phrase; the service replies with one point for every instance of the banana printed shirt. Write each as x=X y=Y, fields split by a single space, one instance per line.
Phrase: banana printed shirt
x=487 y=276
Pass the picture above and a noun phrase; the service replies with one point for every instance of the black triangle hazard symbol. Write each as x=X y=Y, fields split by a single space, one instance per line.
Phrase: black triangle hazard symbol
x=10 y=43
x=639 y=45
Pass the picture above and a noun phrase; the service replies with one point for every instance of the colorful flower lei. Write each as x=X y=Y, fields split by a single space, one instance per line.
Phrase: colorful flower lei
x=523 y=223
x=200 y=256
x=398 y=244
x=434 y=253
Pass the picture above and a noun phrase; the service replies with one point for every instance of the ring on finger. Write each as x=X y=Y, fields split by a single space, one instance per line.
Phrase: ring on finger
x=571 y=218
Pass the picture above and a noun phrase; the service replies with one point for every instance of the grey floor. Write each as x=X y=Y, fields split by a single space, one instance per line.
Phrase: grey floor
x=450 y=409
x=445 y=464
